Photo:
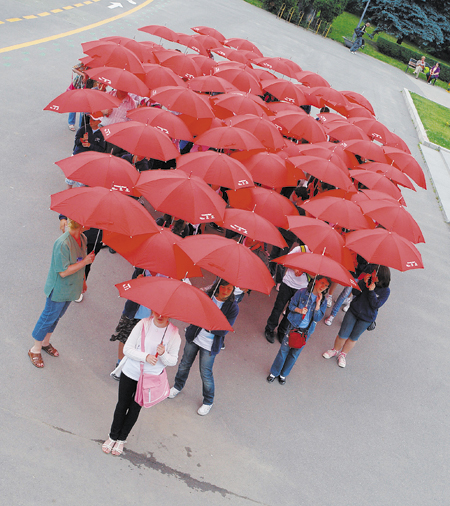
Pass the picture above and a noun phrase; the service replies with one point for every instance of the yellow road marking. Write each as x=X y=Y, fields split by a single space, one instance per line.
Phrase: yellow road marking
x=73 y=32
x=55 y=11
x=78 y=5
x=12 y=20
x=32 y=16
x=68 y=7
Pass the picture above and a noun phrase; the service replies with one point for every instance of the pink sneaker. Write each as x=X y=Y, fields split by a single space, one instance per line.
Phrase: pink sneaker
x=330 y=353
x=341 y=360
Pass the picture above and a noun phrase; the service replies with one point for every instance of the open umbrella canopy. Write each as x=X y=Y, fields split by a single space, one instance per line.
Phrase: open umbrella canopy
x=119 y=79
x=175 y=299
x=324 y=170
x=105 y=209
x=272 y=171
x=262 y=128
x=154 y=252
x=252 y=225
x=338 y=211
x=300 y=126
x=160 y=31
x=229 y=137
x=216 y=168
x=111 y=54
x=285 y=91
x=406 y=163
x=315 y=265
x=359 y=99
x=180 y=63
x=393 y=217
x=157 y=76
x=366 y=149
x=244 y=79
x=83 y=100
x=267 y=203
x=391 y=172
x=100 y=169
x=165 y=121
x=245 y=44
x=206 y=30
x=375 y=181
x=181 y=195
x=236 y=55
x=237 y=103
x=139 y=139
x=344 y=131
x=380 y=246
x=281 y=65
x=311 y=79
x=192 y=42
x=229 y=260
x=182 y=100
x=210 y=84
x=374 y=129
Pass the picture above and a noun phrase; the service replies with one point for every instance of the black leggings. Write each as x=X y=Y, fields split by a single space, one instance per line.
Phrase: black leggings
x=127 y=409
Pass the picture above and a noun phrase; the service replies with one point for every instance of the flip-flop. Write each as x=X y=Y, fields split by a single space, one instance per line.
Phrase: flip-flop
x=51 y=350
x=36 y=359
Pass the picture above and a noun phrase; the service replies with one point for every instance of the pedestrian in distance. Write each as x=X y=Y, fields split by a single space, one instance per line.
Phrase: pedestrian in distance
x=359 y=32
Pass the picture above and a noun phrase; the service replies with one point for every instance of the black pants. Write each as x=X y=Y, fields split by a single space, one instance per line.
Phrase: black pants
x=284 y=296
x=127 y=409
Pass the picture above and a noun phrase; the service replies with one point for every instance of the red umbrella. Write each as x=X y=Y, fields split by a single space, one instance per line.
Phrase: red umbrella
x=105 y=209
x=344 y=131
x=142 y=50
x=285 y=91
x=205 y=64
x=272 y=171
x=119 y=79
x=206 y=30
x=180 y=63
x=355 y=111
x=406 y=163
x=394 y=174
x=229 y=260
x=111 y=54
x=374 y=129
x=100 y=169
x=160 y=31
x=316 y=265
x=216 y=168
x=235 y=54
x=198 y=126
x=252 y=225
x=395 y=141
x=359 y=99
x=277 y=107
x=182 y=100
x=317 y=235
x=243 y=79
x=165 y=121
x=83 y=100
x=175 y=299
x=154 y=252
x=281 y=65
x=338 y=150
x=140 y=139
x=324 y=170
x=245 y=44
x=238 y=102
x=380 y=246
x=322 y=152
x=338 y=211
x=393 y=217
x=311 y=79
x=331 y=117
x=376 y=181
x=262 y=128
x=183 y=196
x=328 y=95
x=157 y=76
x=193 y=42
x=229 y=137
x=267 y=203
x=300 y=126
x=366 y=149
x=209 y=84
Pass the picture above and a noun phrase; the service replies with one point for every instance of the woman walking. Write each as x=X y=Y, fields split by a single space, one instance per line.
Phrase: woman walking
x=306 y=308
x=161 y=345
x=362 y=312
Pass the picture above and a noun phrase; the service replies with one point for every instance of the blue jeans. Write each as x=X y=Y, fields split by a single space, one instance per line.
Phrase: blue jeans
x=49 y=318
x=357 y=44
x=206 y=362
x=286 y=357
x=73 y=118
x=347 y=290
x=352 y=327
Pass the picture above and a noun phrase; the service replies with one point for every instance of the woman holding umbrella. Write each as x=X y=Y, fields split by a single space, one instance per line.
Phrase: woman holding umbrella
x=161 y=345
x=362 y=312
x=306 y=308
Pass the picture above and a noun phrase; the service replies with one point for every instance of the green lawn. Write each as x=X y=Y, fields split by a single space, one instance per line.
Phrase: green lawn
x=435 y=119
x=258 y=3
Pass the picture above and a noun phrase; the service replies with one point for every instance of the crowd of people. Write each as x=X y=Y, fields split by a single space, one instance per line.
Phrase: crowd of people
x=148 y=342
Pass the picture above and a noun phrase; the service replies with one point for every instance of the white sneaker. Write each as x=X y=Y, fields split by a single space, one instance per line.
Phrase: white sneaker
x=329 y=300
x=345 y=307
x=341 y=360
x=329 y=320
x=330 y=353
x=80 y=298
x=204 y=409
x=173 y=393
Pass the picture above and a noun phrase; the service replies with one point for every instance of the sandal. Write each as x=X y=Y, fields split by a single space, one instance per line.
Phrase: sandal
x=118 y=448
x=107 y=446
x=50 y=350
x=36 y=359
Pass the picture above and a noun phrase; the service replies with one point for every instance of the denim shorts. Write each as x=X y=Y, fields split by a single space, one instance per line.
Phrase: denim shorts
x=352 y=327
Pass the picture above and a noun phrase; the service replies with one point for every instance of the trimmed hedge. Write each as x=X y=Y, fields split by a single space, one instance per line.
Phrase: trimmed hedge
x=402 y=53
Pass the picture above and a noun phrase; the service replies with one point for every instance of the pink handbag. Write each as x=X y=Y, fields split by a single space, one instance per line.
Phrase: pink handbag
x=151 y=389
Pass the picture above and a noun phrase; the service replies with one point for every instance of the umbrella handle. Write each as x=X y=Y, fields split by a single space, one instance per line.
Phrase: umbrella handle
x=157 y=354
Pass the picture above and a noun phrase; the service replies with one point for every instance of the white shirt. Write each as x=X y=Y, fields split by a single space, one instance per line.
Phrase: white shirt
x=290 y=279
x=204 y=339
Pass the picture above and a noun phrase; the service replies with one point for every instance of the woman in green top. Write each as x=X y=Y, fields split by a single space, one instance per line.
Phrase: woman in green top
x=65 y=283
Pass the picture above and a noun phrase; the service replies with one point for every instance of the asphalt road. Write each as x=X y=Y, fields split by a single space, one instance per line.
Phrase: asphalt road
x=375 y=433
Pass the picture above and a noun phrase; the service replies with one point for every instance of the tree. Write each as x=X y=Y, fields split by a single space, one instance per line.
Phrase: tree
x=325 y=9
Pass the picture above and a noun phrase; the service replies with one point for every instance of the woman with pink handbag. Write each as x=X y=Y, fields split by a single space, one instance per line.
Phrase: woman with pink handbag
x=152 y=345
